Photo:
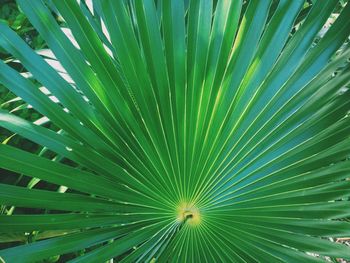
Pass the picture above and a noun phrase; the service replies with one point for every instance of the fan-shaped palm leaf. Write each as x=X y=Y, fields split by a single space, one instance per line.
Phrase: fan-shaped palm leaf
x=203 y=131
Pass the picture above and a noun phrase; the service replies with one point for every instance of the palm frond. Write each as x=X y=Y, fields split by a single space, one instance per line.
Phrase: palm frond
x=186 y=131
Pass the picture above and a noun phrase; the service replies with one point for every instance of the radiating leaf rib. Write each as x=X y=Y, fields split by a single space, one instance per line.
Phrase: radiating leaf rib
x=268 y=248
x=221 y=41
x=287 y=181
x=95 y=22
x=47 y=76
x=26 y=90
x=174 y=32
x=84 y=77
x=120 y=245
x=56 y=246
x=72 y=150
x=146 y=251
x=313 y=57
x=124 y=40
x=292 y=55
x=249 y=252
x=303 y=226
x=91 y=45
x=32 y=165
x=24 y=197
x=198 y=35
x=267 y=136
x=171 y=246
x=65 y=52
x=297 y=241
x=301 y=149
x=152 y=47
x=245 y=42
x=241 y=127
x=28 y=223
x=308 y=111
x=277 y=31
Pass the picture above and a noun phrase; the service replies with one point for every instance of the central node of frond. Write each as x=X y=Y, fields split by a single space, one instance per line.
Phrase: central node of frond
x=188 y=213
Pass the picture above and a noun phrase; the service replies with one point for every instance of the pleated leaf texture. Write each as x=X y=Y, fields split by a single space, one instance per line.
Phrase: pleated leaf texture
x=196 y=131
